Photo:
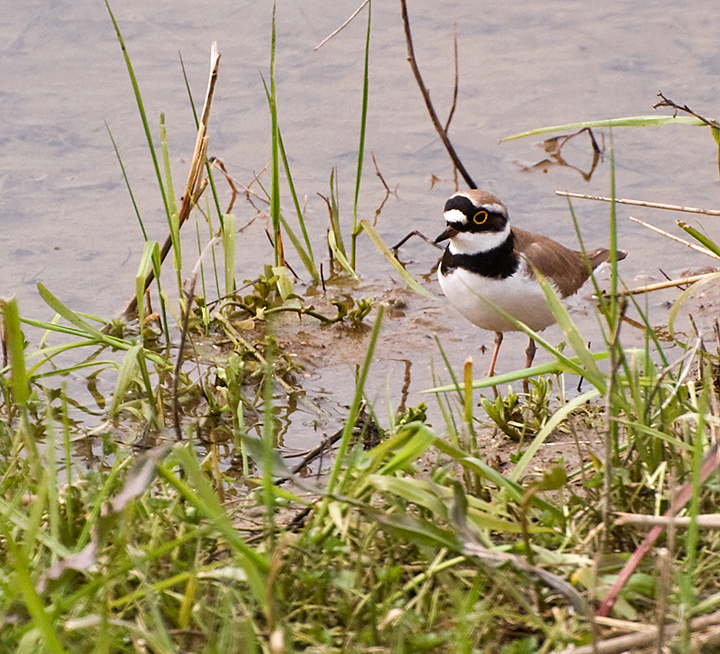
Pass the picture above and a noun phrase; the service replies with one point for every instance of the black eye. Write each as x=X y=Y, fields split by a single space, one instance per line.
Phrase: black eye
x=480 y=217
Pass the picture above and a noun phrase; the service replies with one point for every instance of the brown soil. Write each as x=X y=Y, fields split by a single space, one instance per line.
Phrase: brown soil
x=330 y=355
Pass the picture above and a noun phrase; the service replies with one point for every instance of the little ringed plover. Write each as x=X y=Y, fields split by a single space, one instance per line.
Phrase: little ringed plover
x=487 y=258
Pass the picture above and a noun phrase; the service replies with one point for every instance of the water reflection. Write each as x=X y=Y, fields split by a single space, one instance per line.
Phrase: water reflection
x=66 y=219
x=554 y=146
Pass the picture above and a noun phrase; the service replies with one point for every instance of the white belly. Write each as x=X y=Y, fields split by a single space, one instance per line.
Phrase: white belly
x=518 y=295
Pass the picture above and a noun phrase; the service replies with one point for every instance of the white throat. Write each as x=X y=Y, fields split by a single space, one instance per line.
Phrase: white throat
x=477 y=242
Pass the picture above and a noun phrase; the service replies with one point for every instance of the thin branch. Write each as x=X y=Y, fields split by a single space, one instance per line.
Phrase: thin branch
x=669 y=284
x=415 y=232
x=195 y=183
x=666 y=102
x=457 y=81
x=342 y=27
x=189 y=297
x=426 y=96
x=645 y=638
x=640 y=203
x=706 y=521
x=672 y=237
x=709 y=464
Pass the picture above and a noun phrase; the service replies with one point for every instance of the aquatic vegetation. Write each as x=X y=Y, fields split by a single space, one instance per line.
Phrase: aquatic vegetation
x=164 y=514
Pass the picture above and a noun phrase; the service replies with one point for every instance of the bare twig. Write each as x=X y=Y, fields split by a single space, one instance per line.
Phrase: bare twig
x=382 y=179
x=672 y=237
x=639 y=203
x=388 y=192
x=415 y=232
x=229 y=179
x=666 y=102
x=189 y=297
x=426 y=96
x=669 y=284
x=195 y=183
x=645 y=638
x=457 y=81
x=708 y=521
x=709 y=464
x=342 y=27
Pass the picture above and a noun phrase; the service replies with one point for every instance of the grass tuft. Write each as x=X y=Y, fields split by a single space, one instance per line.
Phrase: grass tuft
x=456 y=537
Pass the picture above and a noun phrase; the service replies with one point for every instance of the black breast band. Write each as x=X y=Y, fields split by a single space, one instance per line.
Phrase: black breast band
x=498 y=263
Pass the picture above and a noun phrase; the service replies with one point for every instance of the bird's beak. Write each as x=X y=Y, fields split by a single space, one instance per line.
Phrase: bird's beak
x=448 y=233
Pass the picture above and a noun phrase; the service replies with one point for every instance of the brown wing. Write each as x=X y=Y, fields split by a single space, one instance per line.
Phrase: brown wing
x=566 y=268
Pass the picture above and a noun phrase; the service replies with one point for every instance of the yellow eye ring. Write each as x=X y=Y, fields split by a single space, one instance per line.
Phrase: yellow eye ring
x=480 y=217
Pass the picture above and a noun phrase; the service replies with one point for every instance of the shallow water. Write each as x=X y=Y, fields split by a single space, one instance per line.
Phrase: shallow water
x=65 y=215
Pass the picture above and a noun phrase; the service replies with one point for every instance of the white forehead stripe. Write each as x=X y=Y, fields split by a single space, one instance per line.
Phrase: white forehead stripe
x=455 y=217
x=494 y=208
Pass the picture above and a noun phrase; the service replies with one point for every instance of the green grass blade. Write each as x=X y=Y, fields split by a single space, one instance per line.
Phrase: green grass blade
x=385 y=251
x=351 y=420
x=172 y=202
x=649 y=330
x=85 y=329
x=412 y=491
x=173 y=217
x=700 y=237
x=456 y=386
x=126 y=376
x=586 y=366
x=514 y=490
x=22 y=584
x=596 y=287
x=424 y=494
x=589 y=368
x=71 y=316
x=613 y=243
x=421 y=532
x=15 y=342
x=306 y=255
x=205 y=500
x=548 y=428
x=141 y=109
x=656 y=433
x=335 y=212
x=684 y=296
x=410 y=441
x=268 y=441
x=228 y=242
x=630 y=121
x=61 y=372
x=275 y=152
x=211 y=236
x=127 y=182
x=150 y=252
x=421 y=438
x=554 y=367
x=339 y=254
x=357 y=228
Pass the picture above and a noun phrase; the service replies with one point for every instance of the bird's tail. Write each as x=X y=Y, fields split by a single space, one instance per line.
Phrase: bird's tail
x=602 y=255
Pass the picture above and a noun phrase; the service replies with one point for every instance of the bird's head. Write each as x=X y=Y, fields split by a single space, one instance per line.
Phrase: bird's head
x=475 y=221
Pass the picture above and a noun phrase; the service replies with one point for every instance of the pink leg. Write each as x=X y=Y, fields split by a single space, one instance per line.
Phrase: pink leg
x=529 y=356
x=493 y=360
